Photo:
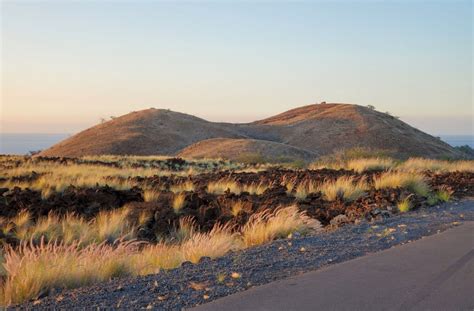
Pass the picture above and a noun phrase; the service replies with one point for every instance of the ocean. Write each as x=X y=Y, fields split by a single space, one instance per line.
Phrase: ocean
x=23 y=143
x=16 y=143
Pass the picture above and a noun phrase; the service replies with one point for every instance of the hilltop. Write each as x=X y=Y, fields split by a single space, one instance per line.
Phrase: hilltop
x=301 y=133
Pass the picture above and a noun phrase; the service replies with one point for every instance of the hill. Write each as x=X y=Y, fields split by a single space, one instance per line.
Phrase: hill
x=304 y=132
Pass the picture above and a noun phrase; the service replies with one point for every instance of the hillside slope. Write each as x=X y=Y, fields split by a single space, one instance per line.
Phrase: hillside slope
x=233 y=149
x=325 y=128
x=146 y=132
x=307 y=131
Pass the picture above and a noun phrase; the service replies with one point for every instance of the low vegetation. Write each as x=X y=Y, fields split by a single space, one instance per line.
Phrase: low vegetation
x=370 y=164
x=98 y=226
x=397 y=179
x=345 y=188
x=404 y=205
x=36 y=268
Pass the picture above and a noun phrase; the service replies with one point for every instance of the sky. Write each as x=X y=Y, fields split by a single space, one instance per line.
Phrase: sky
x=67 y=64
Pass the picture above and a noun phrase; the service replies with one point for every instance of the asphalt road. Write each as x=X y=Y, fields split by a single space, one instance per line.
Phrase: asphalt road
x=434 y=273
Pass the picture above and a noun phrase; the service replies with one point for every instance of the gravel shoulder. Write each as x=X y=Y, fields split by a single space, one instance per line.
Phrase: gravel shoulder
x=191 y=285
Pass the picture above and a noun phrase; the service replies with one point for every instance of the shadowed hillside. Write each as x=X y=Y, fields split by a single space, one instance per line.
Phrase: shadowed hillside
x=302 y=133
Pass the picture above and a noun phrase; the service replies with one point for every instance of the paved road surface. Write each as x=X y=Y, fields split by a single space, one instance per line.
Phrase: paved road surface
x=434 y=273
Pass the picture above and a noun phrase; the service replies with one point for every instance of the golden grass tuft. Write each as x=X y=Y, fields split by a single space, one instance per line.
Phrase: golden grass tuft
x=212 y=244
x=255 y=188
x=151 y=195
x=304 y=188
x=178 y=202
x=404 y=205
x=370 y=164
x=223 y=185
x=345 y=187
x=412 y=181
x=185 y=186
x=268 y=225
x=420 y=164
x=35 y=269
x=236 y=208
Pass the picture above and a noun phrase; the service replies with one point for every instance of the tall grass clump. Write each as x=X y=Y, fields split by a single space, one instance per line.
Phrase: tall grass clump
x=178 y=202
x=304 y=188
x=185 y=186
x=212 y=244
x=255 y=188
x=36 y=269
x=444 y=194
x=223 y=185
x=151 y=195
x=412 y=181
x=268 y=225
x=420 y=164
x=113 y=225
x=370 y=164
x=404 y=205
x=345 y=187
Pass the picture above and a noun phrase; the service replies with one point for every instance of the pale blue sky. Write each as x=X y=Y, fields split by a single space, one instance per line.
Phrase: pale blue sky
x=65 y=64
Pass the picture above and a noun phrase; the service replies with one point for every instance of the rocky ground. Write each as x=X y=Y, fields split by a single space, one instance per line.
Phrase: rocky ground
x=207 y=209
x=191 y=285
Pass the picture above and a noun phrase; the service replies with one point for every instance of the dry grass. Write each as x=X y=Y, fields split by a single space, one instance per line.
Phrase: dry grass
x=108 y=226
x=444 y=194
x=236 y=208
x=404 y=205
x=151 y=195
x=266 y=226
x=370 y=164
x=345 y=187
x=178 y=202
x=255 y=188
x=304 y=188
x=412 y=181
x=420 y=164
x=212 y=244
x=186 y=186
x=223 y=185
x=35 y=269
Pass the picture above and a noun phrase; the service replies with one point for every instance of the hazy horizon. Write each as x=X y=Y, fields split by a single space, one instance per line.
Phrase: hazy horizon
x=66 y=65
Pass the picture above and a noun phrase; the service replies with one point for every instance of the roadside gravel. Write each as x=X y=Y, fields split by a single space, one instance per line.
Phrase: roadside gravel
x=191 y=285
